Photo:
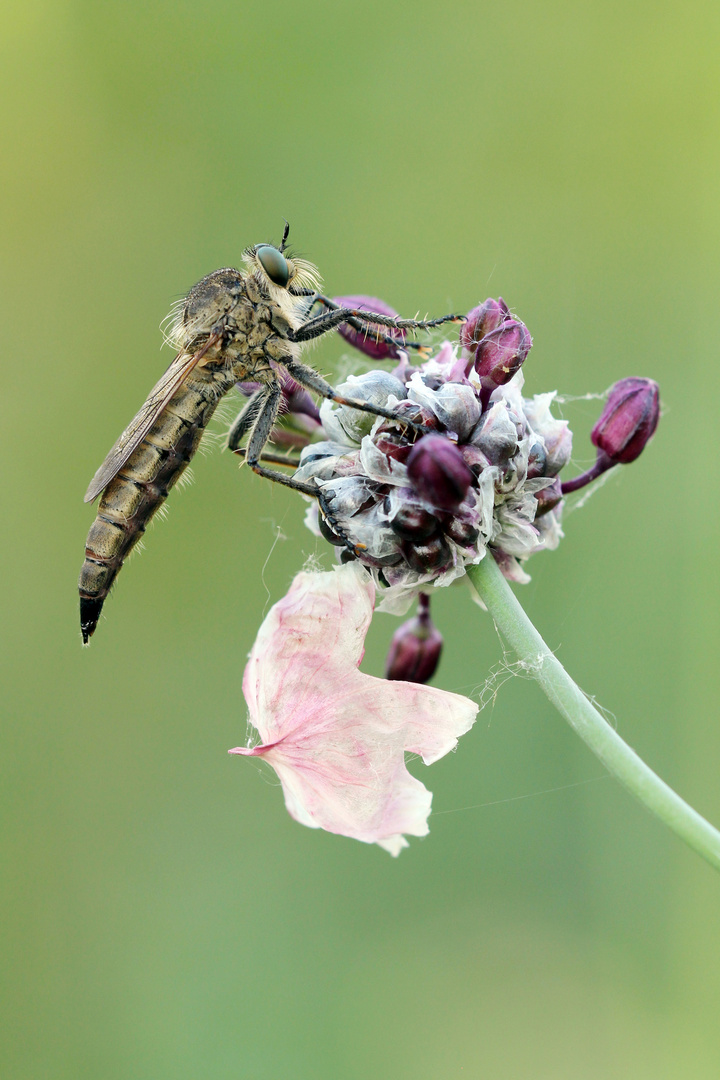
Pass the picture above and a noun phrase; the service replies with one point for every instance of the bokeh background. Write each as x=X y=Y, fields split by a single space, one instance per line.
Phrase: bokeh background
x=162 y=915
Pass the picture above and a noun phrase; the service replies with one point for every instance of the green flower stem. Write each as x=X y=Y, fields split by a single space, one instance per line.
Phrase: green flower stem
x=624 y=764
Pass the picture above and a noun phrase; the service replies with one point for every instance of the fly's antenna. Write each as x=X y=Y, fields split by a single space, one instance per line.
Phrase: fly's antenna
x=286 y=230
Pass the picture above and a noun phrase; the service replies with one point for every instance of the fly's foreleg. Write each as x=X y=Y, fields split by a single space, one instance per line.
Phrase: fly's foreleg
x=310 y=379
x=268 y=409
x=329 y=320
x=367 y=326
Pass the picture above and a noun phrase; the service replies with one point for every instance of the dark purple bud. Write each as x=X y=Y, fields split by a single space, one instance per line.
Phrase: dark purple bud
x=474 y=459
x=394 y=558
x=548 y=498
x=496 y=435
x=405 y=370
x=537 y=460
x=367 y=342
x=558 y=447
x=409 y=410
x=247 y=389
x=481 y=320
x=462 y=533
x=410 y=521
x=501 y=353
x=415 y=648
x=392 y=446
x=628 y=420
x=300 y=403
x=430 y=555
x=438 y=472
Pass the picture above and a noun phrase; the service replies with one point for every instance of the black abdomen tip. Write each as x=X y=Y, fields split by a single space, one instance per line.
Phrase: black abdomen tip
x=89 y=614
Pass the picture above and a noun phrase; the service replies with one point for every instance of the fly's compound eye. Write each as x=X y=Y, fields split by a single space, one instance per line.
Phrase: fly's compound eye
x=274 y=264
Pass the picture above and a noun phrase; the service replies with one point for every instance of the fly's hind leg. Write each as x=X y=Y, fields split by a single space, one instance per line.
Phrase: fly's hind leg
x=268 y=409
x=273 y=459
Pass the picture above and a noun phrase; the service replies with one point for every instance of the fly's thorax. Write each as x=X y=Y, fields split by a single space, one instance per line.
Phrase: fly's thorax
x=207 y=308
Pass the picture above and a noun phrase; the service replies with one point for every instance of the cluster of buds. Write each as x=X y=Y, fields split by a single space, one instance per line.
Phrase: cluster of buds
x=416 y=509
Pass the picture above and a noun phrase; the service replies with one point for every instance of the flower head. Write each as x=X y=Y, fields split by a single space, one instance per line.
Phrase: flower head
x=417 y=509
x=335 y=736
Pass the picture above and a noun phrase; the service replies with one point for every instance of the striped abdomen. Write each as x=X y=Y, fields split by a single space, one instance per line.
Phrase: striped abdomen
x=140 y=488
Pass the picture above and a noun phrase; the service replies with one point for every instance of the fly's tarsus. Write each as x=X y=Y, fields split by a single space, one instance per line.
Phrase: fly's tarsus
x=272 y=459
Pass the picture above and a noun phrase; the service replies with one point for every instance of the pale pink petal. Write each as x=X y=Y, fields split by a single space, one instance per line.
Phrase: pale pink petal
x=336 y=737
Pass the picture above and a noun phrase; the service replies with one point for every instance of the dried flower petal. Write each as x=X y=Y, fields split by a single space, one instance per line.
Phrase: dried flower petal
x=337 y=737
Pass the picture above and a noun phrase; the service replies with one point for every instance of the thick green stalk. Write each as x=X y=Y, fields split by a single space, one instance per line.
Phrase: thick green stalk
x=624 y=764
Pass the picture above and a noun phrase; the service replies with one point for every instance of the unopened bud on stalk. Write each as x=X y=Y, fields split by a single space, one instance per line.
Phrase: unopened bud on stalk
x=438 y=472
x=481 y=320
x=628 y=420
x=415 y=648
x=501 y=353
x=624 y=429
x=367 y=342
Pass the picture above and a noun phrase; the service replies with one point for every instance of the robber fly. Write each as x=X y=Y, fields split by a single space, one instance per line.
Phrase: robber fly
x=233 y=326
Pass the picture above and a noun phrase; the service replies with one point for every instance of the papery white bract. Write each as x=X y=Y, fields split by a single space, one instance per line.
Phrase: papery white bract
x=335 y=736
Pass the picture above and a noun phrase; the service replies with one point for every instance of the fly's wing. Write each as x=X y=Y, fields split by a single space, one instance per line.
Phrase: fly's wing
x=138 y=428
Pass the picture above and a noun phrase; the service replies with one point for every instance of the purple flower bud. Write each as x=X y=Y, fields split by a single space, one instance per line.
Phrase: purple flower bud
x=407 y=519
x=481 y=320
x=628 y=420
x=462 y=533
x=501 y=353
x=438 y=472
x=496 y=435
x=393 y=446
x=548 y=498
x=300 y=403
x=429 y=556
x=537 y=460
x=415 y=648
x=366 y=342
x=558 y=447
x=410 y=410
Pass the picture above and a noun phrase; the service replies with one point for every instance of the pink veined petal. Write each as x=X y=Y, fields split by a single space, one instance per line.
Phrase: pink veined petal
x=335 y=736
x=304 y=648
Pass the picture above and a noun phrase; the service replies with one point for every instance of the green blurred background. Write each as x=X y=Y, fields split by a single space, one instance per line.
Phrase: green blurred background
x=163 y=917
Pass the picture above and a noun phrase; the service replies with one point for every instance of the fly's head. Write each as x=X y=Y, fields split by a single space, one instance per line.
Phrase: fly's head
x=280 y=277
